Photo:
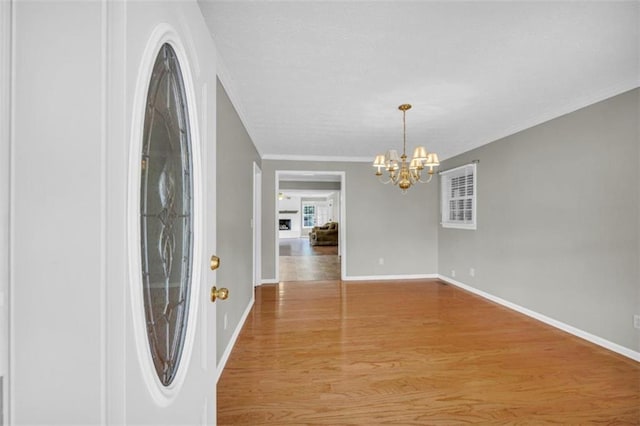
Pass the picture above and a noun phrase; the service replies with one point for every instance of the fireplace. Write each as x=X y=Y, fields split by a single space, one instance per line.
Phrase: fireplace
x=285 y=224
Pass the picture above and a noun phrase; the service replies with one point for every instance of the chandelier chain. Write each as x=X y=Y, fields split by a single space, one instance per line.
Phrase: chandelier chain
x=404 y=132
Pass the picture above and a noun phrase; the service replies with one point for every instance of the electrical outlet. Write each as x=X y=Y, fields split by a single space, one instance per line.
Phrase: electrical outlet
x=472 y=272
x=453 y=273
x=381 y=261
x=225 y=321
x=636 y=321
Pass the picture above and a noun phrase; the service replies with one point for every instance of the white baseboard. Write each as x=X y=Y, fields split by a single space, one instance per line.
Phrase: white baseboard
x=371 y=278
x=234 y=337
x=389 y=277
x=547 y=320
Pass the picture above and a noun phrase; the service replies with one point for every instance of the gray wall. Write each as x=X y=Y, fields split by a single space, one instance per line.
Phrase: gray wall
x=234 y=162
x=380 y=221
x=558 y=220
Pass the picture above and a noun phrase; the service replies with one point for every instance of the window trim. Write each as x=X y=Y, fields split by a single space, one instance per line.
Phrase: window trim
x=445 y=178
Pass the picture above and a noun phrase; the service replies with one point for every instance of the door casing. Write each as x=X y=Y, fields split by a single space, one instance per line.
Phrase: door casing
x=257 y=225
x=342 y=242
x=5 y=202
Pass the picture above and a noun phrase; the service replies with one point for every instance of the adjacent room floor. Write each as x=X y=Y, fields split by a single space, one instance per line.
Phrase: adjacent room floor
x=414 y=353
x=300 y=261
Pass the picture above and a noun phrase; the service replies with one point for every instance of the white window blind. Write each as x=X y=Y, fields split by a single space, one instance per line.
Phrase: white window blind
x=458 y=203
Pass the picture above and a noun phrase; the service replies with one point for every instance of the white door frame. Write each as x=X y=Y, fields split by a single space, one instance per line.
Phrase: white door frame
x=5 y=199
x=342 y=244
x=256 y=223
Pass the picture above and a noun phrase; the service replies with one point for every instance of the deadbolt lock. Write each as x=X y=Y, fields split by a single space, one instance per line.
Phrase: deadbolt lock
x=215 y=262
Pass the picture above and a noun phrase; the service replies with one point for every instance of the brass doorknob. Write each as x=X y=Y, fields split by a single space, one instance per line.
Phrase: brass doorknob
x=215 y=262
x=221 y=294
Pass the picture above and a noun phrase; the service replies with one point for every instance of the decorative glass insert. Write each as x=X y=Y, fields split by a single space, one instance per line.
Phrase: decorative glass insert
x=166 y=214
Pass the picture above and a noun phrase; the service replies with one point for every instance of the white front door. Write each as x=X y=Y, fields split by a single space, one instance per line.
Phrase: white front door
x=112 y=223
x=163 y=360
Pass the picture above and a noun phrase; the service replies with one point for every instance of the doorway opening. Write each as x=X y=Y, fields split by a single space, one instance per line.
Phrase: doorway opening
x=309 y=225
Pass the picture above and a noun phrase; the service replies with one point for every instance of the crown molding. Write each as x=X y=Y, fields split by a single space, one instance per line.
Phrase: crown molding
x=317 y=158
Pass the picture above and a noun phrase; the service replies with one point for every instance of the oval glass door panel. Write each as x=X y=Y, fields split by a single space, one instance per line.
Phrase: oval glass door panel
x=166 y=206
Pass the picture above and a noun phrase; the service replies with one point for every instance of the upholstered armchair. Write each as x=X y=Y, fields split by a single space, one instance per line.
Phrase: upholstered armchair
x=325 y=235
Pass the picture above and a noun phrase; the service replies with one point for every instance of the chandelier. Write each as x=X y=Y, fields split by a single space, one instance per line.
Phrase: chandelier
x=403 y=173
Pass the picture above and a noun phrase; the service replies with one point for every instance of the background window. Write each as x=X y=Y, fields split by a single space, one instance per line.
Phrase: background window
x=308 y=215
x=458 y=202
x=314 y=213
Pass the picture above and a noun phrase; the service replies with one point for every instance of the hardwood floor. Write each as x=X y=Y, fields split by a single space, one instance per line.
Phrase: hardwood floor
x=300 y=261
x=301 y=247
x=414 y=353
x=309 y=268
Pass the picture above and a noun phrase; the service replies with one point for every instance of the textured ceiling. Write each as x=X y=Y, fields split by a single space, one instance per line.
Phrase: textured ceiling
x=325 y=78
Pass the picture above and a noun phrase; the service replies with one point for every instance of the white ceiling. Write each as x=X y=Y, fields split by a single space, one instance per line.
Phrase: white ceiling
x=325 y=78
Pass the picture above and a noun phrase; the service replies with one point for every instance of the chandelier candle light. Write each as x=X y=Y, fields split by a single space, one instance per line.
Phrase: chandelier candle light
x=403 y=173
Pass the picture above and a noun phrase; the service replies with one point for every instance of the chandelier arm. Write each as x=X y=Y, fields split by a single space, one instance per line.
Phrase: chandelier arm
x=416 y=177
x=426 y=181
x=384 y=182
x=413 y=178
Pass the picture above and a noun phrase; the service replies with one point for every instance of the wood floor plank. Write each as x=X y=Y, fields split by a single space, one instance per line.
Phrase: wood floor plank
x=414 y=353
